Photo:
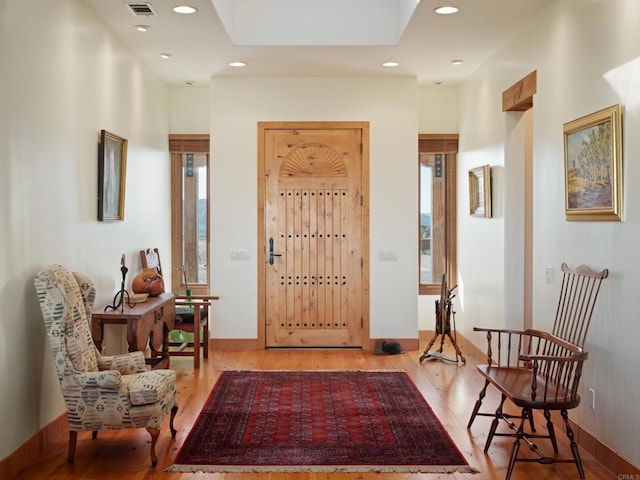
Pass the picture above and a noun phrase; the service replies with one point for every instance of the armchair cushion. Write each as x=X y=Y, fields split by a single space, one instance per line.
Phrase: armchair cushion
x=149 y=387
x=126 y=363
x=106 y=379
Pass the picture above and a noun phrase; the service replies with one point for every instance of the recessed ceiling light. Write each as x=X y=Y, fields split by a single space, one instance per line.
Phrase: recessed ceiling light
x=390 y=64
x=185 y=9
x=165 y=55
x=237 y=64
x=446 y=10
x=143 y=28
x=457 y=62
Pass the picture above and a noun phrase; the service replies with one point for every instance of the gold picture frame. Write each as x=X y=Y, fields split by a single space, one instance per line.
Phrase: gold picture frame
x=480 y=191
x=593 y=166
x=112 y=175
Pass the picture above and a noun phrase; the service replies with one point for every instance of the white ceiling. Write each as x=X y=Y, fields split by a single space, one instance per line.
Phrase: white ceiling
x=200 y=48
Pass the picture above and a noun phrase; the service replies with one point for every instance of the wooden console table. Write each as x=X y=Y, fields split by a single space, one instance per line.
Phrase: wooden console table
x=148 y=324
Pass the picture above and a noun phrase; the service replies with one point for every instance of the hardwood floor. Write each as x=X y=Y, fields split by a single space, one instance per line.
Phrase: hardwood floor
x=450 y=389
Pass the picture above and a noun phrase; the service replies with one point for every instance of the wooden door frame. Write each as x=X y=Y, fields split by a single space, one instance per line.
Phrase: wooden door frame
x=261 y=254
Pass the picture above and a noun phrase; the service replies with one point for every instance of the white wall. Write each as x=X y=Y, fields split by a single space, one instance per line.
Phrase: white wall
x=390 y=105
x=587 y=55
x=64 y=78
x=438 y=109
x=189 y=110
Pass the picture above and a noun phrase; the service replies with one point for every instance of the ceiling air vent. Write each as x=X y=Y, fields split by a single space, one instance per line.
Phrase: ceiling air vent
x=142 y=9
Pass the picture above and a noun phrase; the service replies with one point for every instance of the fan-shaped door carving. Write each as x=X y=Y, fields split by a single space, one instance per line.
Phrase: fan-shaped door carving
x=313 y=160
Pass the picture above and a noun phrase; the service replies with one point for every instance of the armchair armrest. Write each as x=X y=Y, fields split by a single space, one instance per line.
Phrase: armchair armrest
x=509 y=347
x=111 y=379
x=126 y=363
x=498 y=330
x=578 y=357
x=549 y=337
x=504 y=345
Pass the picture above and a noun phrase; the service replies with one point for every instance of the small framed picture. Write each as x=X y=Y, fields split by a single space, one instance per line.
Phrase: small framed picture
x=593 y=166
x=112 y=173
x=480 y=191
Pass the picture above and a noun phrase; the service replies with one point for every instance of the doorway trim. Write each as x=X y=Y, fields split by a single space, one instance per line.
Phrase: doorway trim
x=519 y=150
x=261 y=254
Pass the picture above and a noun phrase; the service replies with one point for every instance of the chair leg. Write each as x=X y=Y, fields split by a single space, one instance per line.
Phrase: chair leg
x=174 y=410
x=476 y=407
x=494 y=424
x=572 y=442
x=551 y=430
x=531 y=423
x=155 y=433
x=516 y=443
x=73 y=438
x=205 y=340
x=196 y=337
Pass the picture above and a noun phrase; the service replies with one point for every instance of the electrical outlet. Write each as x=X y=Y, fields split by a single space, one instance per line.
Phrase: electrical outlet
x=592 y=394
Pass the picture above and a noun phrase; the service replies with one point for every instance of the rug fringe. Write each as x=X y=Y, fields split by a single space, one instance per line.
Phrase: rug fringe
x=321 y=469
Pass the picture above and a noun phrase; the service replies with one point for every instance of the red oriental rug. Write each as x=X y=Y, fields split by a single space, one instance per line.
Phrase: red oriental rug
x=317 y=421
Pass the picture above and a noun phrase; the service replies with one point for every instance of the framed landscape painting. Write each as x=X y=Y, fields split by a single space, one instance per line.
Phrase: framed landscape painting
x=593 y=166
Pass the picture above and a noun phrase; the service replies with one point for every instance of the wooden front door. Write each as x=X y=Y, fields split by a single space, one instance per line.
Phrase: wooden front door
x=312 y=182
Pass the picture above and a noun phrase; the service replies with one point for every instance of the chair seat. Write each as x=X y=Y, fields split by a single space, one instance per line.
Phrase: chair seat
x=185 y=315
x=516 y=383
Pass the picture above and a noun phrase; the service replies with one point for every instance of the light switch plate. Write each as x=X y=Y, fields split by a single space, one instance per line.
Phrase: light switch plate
x=387 y=256
x=238 y=254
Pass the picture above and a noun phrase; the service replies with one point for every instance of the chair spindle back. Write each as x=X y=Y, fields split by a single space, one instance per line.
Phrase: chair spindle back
x=578 y=294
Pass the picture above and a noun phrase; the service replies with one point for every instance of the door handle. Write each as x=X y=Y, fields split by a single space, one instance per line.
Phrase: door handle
x=271 y=254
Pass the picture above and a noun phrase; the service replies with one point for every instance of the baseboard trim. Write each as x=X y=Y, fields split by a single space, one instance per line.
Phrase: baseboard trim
x=233 y=344
x=29 y=451
x=603 y=454
x=598 y=450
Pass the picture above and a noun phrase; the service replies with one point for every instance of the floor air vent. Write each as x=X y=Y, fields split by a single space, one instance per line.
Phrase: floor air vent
x=142 y=9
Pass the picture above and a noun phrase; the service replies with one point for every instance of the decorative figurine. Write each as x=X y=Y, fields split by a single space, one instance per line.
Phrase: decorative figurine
x=118 y=300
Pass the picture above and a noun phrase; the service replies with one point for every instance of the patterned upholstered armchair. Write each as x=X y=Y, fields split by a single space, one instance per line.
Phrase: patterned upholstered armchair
x=100 y=392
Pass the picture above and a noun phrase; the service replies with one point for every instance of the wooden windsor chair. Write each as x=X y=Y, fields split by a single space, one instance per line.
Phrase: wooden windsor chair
x=538 y=370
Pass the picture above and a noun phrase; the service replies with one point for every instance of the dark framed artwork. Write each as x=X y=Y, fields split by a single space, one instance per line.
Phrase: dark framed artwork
x=593 y=166
x=112 y=175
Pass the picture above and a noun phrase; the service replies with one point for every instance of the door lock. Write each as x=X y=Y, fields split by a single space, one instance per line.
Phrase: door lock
x=271 y=254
